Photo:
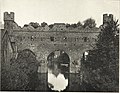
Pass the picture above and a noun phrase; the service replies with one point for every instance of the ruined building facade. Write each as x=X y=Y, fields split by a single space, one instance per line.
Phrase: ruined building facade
x=43 y=41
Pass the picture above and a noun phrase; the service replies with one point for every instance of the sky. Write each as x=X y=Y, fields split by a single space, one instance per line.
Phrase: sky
x=59 y=11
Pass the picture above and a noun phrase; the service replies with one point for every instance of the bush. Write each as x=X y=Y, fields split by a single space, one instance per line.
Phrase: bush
x=22 y=74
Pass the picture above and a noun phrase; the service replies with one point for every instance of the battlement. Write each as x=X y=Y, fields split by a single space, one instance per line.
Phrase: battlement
x=8 y=16
x=107 y=18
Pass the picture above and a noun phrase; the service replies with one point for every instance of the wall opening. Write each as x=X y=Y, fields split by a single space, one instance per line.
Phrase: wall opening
x=85 y=54
x=58 y=70
x=52 y=38
x=85 y=39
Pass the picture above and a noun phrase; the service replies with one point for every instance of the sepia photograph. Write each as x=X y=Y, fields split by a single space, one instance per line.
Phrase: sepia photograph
x=59 y=45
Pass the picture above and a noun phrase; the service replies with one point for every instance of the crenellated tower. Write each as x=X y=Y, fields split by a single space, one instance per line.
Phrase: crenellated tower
x=8 y=22
x=6 y=44
x=107 y=18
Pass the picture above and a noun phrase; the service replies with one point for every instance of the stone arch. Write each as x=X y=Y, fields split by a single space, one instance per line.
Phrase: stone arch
x=64 y=58
x=28 y=58
x=27 y=52
x=48 y=51
x=28 y=65
x=57 y=49
x=64 y=54
x=58 y=66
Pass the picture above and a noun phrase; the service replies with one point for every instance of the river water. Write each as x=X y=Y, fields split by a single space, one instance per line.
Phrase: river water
x=57 y=83
x=67 y=82
x=58 y=77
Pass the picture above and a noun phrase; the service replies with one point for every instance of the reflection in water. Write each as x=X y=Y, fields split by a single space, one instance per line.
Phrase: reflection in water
x=58 y=70
x=58 y=82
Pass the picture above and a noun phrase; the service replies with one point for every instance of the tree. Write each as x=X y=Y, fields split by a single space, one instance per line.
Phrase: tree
x=51 y=26
x=102 y=64
x=73 y=25
x=22 y=74
x=26 y=25
x=29 y=65
x=35 y=25
x=43 y=24
x=67 y=25
x=79 y=24
x=89 y=23
x=14 y=78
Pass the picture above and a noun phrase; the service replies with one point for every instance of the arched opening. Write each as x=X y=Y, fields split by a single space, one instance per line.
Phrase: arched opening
x=85 y=54
x=28 y=66
x=58 y=70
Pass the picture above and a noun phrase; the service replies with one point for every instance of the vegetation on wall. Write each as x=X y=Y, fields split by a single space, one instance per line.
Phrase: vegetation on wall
x=88 y=23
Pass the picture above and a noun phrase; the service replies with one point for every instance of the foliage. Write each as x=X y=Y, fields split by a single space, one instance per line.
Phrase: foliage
x=43 y=24
x=73 y=25
x=26 y=25
x=102 y=65
x=79 y=24
x=35 y=25
x=90 y=23
x=14 y=78
x=22 y=74
x=67 y=25
x=51 y=26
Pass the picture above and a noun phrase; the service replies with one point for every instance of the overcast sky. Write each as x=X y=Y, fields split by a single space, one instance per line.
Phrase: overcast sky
x=53 y=11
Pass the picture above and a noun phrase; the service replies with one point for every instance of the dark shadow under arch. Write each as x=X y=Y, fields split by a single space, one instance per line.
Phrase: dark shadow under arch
x=63 y=58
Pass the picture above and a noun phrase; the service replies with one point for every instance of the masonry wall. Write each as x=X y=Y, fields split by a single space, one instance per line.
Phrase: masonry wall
x=42 y=43
x=74 y=42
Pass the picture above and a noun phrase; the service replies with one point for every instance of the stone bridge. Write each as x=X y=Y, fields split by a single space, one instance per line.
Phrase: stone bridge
x=44 y=41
